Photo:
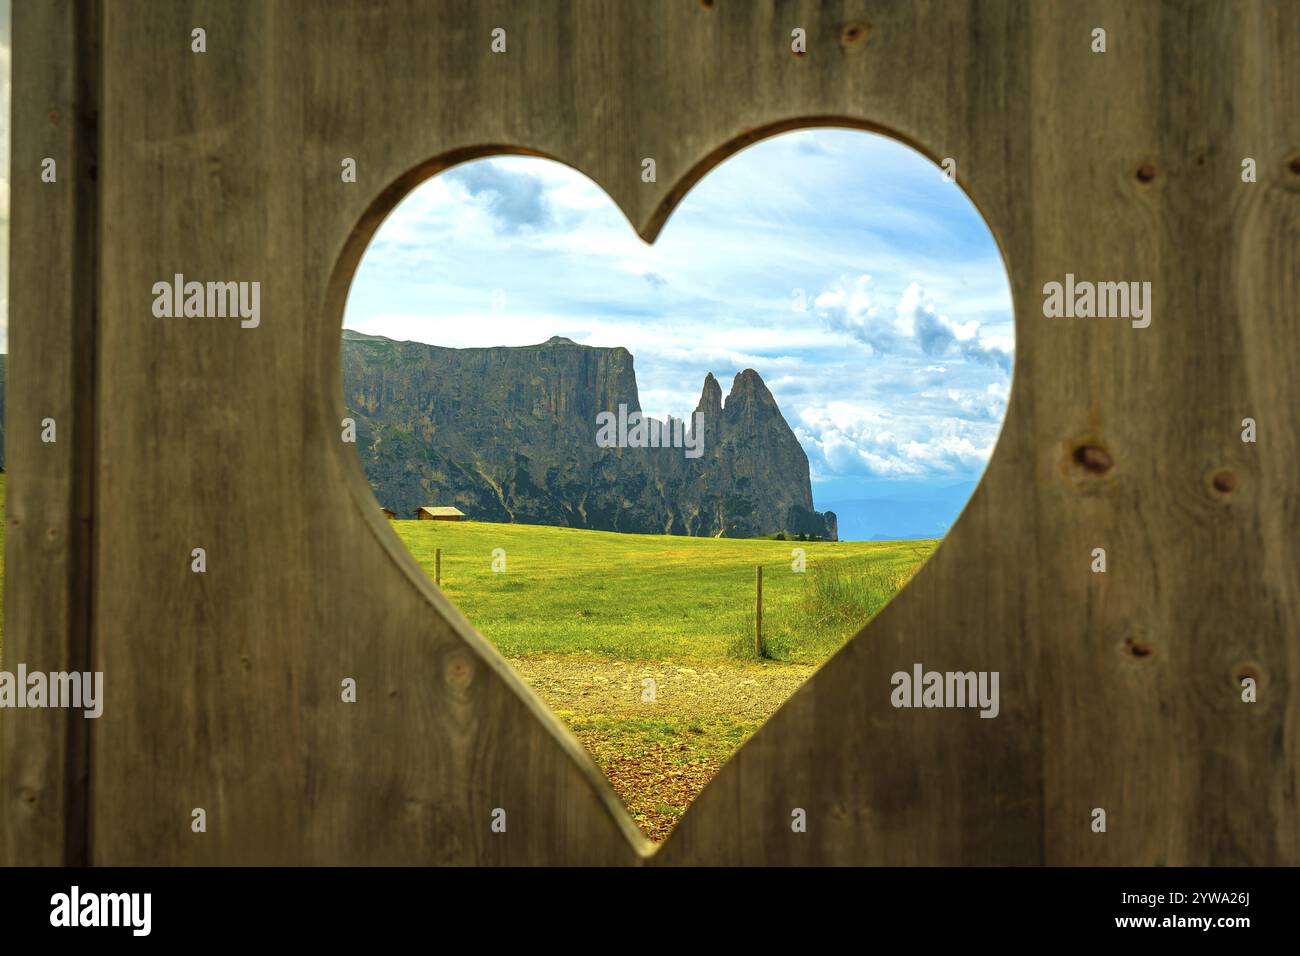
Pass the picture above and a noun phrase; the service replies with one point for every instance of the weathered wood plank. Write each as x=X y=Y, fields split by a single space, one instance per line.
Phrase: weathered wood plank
x=1119 y=691
x=225 y=687
x=53 y=264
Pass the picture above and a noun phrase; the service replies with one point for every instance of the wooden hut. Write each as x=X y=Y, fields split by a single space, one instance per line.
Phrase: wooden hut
x=439 y=514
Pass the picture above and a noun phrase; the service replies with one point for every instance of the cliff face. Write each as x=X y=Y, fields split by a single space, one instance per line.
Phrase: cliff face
x=510 y=434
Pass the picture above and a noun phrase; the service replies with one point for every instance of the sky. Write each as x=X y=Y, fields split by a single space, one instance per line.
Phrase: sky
x=865 y=289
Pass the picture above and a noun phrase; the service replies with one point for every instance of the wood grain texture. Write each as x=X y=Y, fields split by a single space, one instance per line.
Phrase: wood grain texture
x=52 y=309
x=1118 y=691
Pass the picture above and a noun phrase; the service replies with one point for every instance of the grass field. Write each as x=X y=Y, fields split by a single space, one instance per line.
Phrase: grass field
x=587 y=617
x=650 y=597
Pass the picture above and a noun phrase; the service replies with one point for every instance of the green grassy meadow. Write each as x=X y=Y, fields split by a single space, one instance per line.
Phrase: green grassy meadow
x=654 y=597
x=587 y=617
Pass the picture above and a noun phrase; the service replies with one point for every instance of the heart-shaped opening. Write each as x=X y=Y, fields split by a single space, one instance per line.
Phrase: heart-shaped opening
x=667 y=481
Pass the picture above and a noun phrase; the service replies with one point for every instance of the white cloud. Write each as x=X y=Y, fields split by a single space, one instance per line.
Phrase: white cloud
x=849 y=305
x=843 y=439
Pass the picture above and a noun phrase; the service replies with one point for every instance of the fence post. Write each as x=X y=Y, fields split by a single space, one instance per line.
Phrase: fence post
x=437 y=566
x=758 y=612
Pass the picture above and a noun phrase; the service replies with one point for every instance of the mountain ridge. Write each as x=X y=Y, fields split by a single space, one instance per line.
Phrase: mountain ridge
x=507 y=433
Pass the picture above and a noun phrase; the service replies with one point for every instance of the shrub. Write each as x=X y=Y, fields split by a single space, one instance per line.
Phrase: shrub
x=839 y=597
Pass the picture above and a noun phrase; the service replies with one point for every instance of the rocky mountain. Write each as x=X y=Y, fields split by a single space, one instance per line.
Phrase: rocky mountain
x=516 y=434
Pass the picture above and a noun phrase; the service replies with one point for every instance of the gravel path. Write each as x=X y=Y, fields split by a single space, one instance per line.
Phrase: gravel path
x=590 y=685
x=660 y=753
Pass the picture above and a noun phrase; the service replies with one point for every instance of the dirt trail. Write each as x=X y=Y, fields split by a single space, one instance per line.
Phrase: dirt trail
x=660 y=753
x=614 y=688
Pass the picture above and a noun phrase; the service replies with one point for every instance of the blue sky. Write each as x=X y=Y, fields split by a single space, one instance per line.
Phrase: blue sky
x=865 y=290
